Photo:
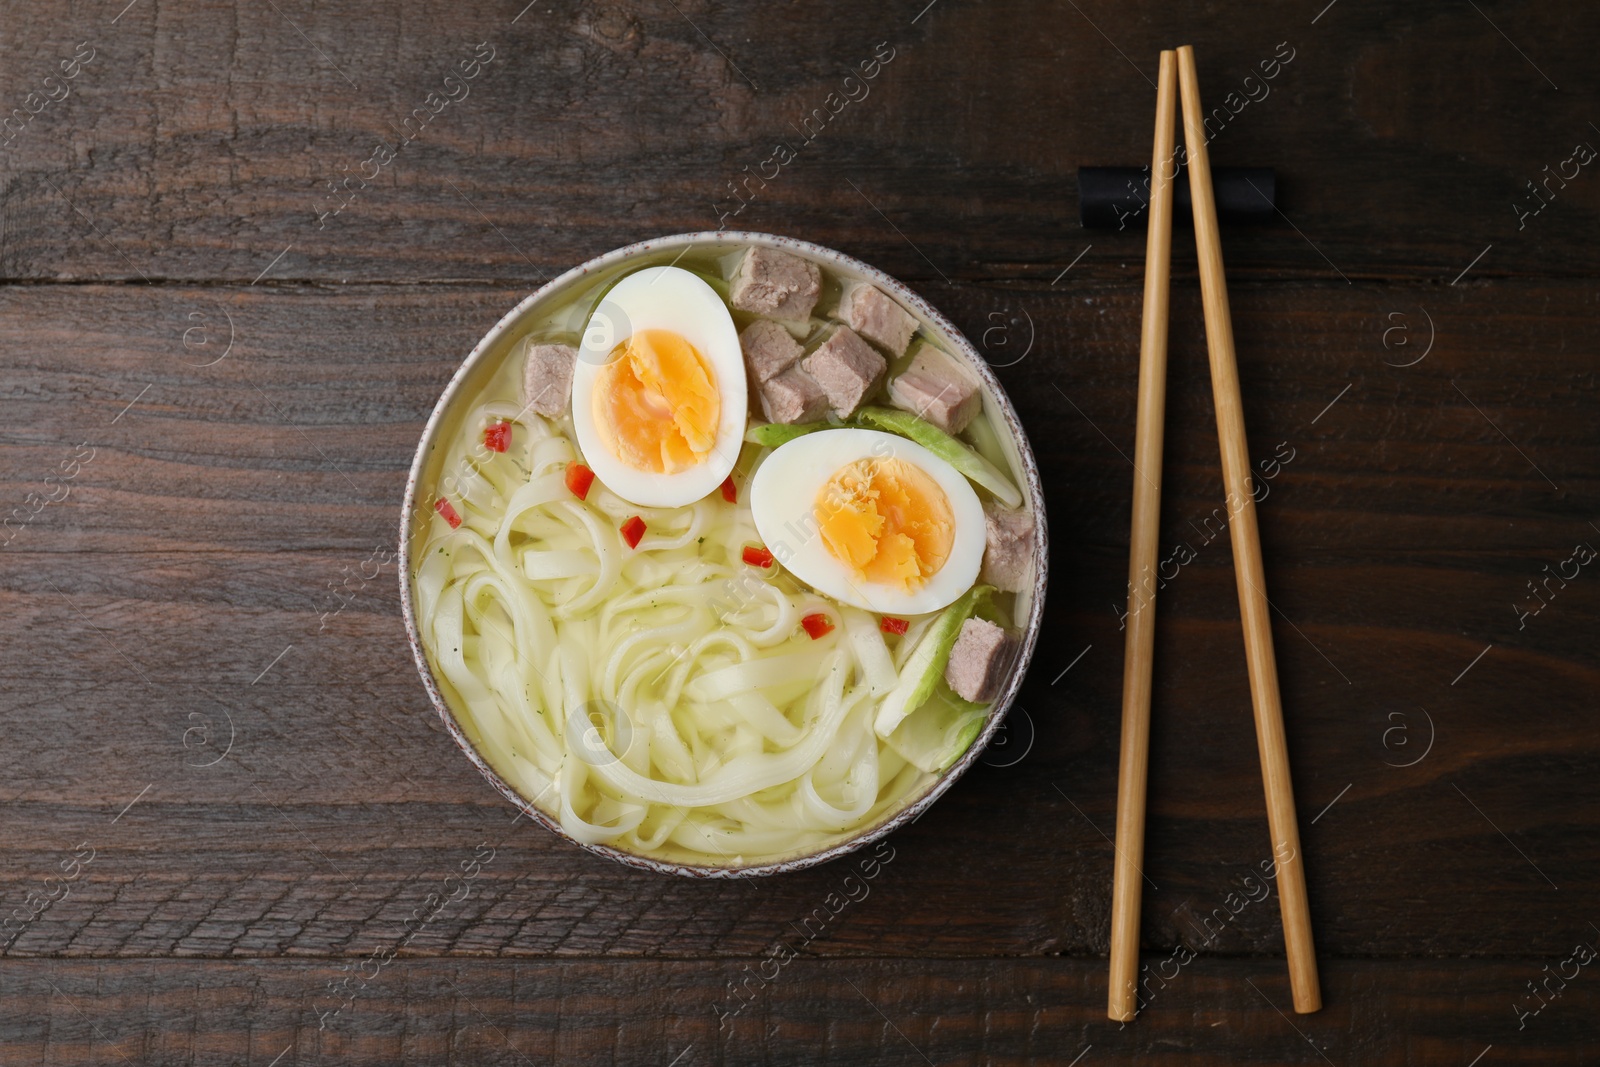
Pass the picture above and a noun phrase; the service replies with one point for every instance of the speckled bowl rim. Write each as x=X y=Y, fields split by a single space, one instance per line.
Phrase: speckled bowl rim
x=953 y=340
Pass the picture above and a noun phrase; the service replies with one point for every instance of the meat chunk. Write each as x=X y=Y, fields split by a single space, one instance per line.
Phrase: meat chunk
x=979 y=661
x=848 y=370
x=792 y=397
x=934 y=388
x=778 y=284
x=877 y=318
x=1009 y=547
x=769 y=349
x=547 y=378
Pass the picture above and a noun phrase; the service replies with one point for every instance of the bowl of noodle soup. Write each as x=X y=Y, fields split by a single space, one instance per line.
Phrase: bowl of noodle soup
x=660 y=697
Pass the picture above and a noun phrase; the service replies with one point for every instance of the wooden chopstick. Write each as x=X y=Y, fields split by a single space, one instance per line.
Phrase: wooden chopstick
x=1139 y=652
x=1251 y=579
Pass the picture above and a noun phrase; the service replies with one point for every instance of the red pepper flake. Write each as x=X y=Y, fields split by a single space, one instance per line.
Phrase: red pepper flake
x=756 y=556
x=729 y=492
x=497 y=438
x=448 y=512
x=632 y=530
x=579 y=479
x=817 y=625
x=891 y=625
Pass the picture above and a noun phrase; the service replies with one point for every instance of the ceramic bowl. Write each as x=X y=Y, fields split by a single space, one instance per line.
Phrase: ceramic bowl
x=497 y=345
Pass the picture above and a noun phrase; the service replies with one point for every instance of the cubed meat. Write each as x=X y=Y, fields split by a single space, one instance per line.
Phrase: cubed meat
x=979 y=661
x=776 y=284
x=793 y=397
x=547 y=378
x=934 y=388
x=1009 y=547
x=769 y=349
x=877 y=318
x=847 y=368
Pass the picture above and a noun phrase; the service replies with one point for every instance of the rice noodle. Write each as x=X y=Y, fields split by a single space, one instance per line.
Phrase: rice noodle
x=662 y=699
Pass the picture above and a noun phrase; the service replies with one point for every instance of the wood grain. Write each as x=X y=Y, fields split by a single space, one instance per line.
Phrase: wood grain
x=199 y=145
x=183 y=585
x=222 y=787
x=840 y=1012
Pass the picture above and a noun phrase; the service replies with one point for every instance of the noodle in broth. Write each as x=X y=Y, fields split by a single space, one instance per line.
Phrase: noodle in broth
x=661 y=699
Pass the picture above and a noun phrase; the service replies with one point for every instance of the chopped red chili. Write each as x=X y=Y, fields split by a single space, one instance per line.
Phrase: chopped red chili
x=579 y=479
x=817 y=625
x=756 y=556
x=448 y=512
x=632 y=530
x=729 y=492
x=497 y=438
x=891 y=625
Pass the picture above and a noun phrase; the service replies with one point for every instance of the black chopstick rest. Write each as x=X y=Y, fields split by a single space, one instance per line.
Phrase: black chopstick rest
x=1117 y=198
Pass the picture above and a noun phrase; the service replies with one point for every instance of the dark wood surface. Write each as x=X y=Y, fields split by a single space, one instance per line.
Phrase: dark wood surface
x=222 y=778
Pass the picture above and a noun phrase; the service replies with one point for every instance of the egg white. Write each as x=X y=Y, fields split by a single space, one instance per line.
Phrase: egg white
x=673 y=299
x=784 y=492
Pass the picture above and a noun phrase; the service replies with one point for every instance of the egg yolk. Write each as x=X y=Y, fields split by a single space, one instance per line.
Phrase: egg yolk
x=887 y=520
x=656 y=404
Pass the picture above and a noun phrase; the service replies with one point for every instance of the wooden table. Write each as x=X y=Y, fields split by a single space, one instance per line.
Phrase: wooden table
x=225 y=791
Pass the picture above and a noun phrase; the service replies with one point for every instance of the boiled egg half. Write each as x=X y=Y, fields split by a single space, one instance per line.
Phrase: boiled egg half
x=870 y=519
x=658 y=392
